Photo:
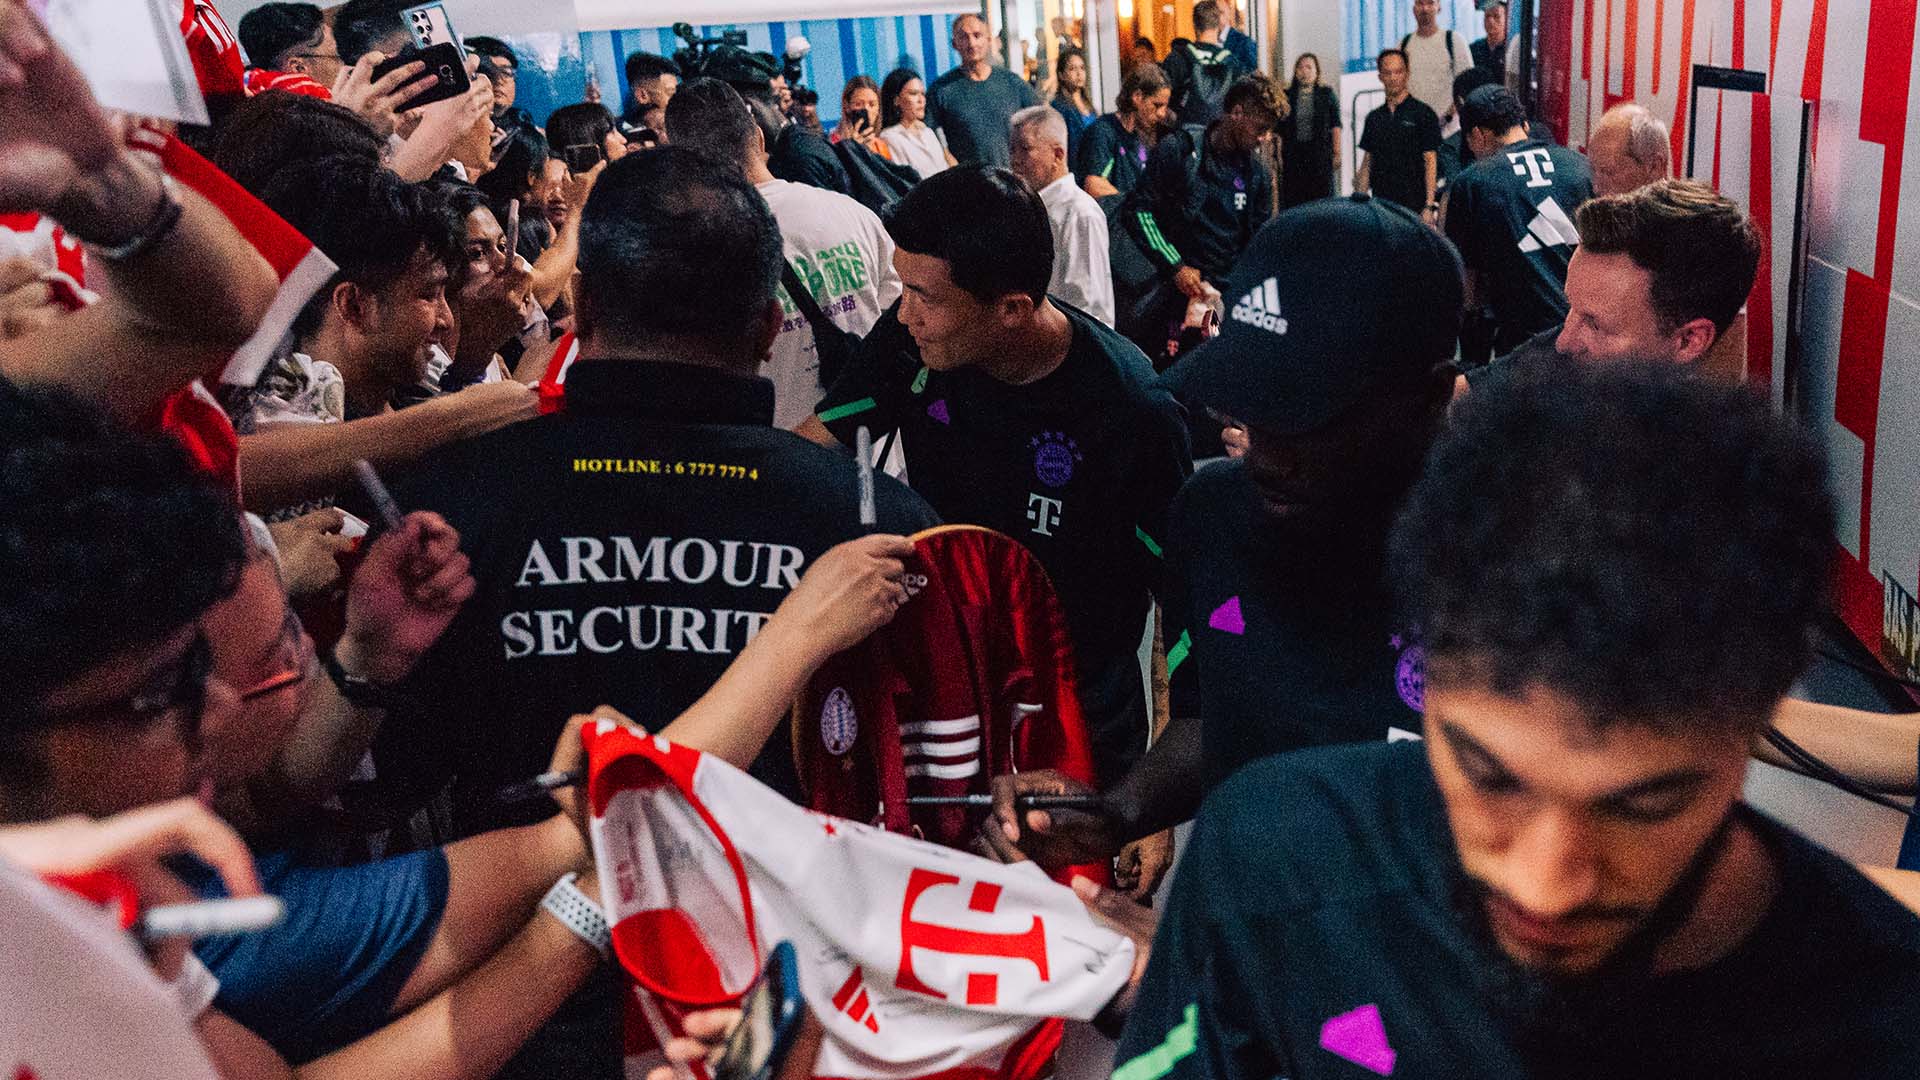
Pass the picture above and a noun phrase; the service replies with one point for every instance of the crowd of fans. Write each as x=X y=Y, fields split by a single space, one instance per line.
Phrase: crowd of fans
x=1455 y=657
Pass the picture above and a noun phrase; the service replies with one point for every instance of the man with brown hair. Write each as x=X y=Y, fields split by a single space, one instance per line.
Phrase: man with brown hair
x=1661 y=273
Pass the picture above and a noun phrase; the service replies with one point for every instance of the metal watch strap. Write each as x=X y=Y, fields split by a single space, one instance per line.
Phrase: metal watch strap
x=578 y=913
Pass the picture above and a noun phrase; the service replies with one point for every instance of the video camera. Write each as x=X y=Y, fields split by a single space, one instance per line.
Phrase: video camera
x=728 y=59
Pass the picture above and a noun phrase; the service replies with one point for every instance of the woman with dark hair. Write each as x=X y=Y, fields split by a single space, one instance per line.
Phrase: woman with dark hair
x=860 y=116
x=519 y=171
x=584 y=135
x=1309 y=136
x=903 y=112
x=1070 y=97
x=1113 y=150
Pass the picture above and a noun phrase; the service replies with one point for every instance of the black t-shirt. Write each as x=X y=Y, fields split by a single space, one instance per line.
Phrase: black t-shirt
x=1314 y=932
x=1397 y=139
x=1536 y=349
x=1511 y=216
x=1078 y=466
x=626 y=550
x=1271 y=651
x=1202 y=206
x=1110 y=151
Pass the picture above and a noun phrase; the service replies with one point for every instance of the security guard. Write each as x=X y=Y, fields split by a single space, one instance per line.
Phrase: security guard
x=629 y=547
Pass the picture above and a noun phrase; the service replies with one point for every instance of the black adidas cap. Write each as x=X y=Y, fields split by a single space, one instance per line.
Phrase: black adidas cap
x=1331 y=301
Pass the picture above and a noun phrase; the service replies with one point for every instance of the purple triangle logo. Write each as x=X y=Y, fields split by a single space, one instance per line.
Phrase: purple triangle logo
x=1227 y=617
x=1361 y=1038
x=938 y=410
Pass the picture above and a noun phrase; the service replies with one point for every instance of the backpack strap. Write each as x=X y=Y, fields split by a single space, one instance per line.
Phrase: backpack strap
x=830 y=342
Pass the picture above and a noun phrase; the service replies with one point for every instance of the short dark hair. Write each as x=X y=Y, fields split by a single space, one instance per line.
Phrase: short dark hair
x=642 y=66
x=271 y=31
x=1472 y=79
x=493 y=48
x=1147 y=41
x=110 y=540
x=1649 y=544
x=1206 y=16
x=963 y=17
x=897 y=81
x=711 y=119
x=1255 y=90
x=1493 y=108
x=672 y=243
x=1148 y=79
x=458 y=200
x=517 y=163
x=272 y=132
x=585 y=124
x=1384 y=53
x=359 y=25
x=1700 y=247
x=371 y=223
x=985 y=223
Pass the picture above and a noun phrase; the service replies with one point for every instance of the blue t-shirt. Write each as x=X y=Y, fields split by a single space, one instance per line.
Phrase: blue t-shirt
x=974 y=115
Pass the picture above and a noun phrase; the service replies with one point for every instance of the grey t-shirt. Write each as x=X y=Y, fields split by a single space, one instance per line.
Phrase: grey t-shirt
x=974 y=115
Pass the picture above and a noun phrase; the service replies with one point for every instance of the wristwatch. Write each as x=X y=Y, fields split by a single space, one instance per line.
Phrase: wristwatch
x=165 y=217
x=358 y=689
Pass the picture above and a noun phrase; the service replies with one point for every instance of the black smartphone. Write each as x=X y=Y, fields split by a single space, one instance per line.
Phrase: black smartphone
x=772 y=1017
x=581 y=157
x=445 y=63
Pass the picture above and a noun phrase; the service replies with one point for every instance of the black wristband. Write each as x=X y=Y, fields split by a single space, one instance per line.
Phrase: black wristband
x=358 y=689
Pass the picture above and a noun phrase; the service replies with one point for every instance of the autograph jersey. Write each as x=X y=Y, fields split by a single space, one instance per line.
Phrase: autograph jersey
x=972 y=680
x=919 y=961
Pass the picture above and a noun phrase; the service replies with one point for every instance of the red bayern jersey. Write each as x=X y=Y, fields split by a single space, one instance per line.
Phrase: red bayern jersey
x=973 y=679
x=259 y=80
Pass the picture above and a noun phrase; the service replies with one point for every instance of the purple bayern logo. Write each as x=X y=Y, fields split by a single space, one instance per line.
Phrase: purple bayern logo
x=1054 y=455
x=1410 y=677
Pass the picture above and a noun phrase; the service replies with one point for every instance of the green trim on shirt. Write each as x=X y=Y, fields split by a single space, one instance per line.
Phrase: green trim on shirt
x=1177 y=653
x=851 y=408
x=1152 y=545
x=1106 y=171
x=920 y=380
x=1158 y=240
x=1160 y=1060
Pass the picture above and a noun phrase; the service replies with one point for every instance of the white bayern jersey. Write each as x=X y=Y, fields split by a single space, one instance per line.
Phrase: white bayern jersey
x=919 y=961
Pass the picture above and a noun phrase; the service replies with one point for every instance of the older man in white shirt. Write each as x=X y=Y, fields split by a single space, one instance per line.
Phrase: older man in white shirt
x=1082 y=275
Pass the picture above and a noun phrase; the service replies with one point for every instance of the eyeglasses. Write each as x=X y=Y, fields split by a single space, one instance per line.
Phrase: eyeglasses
x=178 y=689
x=293 y=661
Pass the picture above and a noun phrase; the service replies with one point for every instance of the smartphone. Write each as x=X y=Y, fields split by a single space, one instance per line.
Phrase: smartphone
x=772 y=1017
x=581 y=157
x=445 y=63
x=513 y=232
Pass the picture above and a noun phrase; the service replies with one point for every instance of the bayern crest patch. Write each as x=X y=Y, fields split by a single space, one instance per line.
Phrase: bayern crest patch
x=839 y=727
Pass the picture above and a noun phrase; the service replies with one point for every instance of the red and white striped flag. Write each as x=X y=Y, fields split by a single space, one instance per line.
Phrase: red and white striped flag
x=301 y=267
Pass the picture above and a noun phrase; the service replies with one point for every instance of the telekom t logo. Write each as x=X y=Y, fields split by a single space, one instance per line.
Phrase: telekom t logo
x=1043 y=512
x=1533 y=163
x=983 y=988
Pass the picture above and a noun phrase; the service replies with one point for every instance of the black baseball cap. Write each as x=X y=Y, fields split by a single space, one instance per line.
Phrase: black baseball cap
x=1332 y=301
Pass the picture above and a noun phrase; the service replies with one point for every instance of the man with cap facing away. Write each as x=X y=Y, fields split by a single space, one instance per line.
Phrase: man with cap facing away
x=1335 y=355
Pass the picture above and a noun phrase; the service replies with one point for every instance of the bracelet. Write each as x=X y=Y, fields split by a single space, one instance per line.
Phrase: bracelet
x=165 y=217
x=578 y=913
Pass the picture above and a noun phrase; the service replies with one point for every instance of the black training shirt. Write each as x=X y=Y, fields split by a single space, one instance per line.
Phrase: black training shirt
x=1198 y=207
x=1511 y=215
x=1078 y=466
x=1397 y=138
x=1111 y=152
x=1313 y=932
x=625 y=550
x=1271 y=650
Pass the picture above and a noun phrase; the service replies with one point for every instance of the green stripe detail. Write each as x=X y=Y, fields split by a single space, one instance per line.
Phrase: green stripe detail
x=1160 y=1060
x=920 y=380
x=1177 y=655
x=1108 y=171
x=1156 y=239
x=1147 y=540
x=851 y=408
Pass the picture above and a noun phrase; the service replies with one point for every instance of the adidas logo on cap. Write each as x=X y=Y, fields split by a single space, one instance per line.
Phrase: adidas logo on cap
x=1261 y=308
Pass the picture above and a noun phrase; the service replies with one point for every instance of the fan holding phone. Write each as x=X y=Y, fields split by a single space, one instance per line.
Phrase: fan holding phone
x=860 y=116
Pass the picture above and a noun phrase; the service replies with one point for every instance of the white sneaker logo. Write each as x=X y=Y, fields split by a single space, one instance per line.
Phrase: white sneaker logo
x=1551 y=227
x=1261 y=308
